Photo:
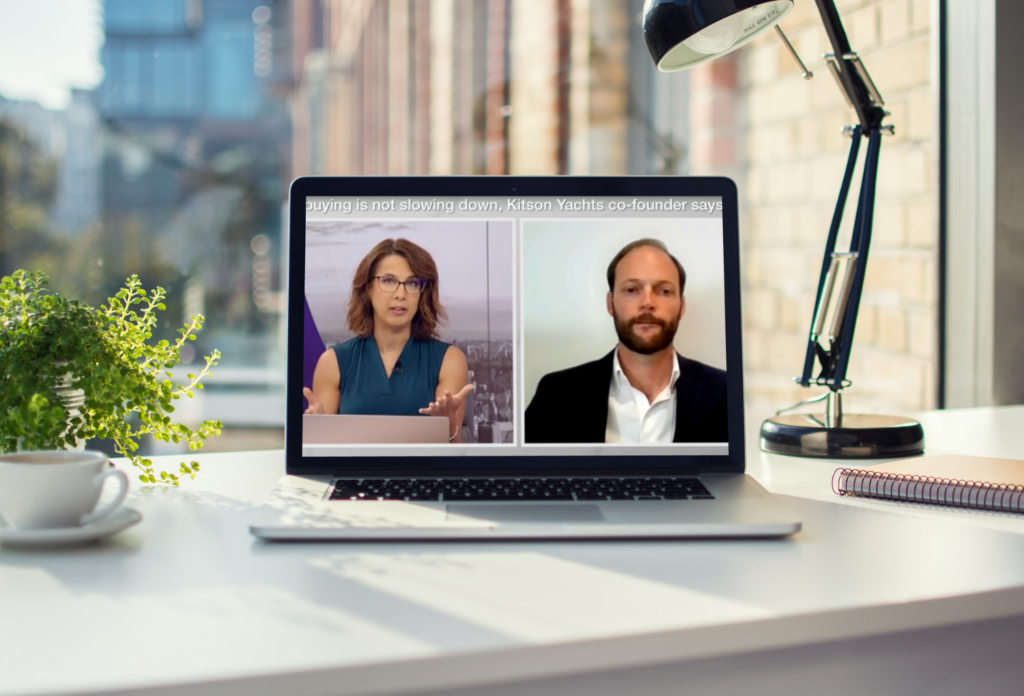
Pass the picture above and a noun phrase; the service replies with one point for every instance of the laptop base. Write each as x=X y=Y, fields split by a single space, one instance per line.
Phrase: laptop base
x=299 y=509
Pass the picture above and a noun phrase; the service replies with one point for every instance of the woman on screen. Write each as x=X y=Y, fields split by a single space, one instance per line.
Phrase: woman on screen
x=395 y=365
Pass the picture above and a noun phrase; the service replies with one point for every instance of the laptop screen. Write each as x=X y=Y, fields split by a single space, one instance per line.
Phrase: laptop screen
x=589 y=328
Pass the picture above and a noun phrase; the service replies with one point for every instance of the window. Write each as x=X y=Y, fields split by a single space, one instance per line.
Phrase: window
x=161 y=139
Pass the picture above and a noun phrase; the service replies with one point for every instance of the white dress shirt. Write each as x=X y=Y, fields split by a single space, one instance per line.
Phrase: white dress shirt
x=634 y=420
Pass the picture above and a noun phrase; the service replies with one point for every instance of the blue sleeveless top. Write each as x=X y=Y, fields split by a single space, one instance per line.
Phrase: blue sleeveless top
x=366 y=389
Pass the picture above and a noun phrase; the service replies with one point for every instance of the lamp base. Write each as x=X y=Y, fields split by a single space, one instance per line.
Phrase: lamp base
x=854 y=437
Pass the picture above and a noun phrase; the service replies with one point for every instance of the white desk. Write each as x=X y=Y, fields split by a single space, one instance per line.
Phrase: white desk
x=869 y=598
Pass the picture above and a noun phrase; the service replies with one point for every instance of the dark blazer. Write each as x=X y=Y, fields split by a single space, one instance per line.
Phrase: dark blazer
x=571 y=406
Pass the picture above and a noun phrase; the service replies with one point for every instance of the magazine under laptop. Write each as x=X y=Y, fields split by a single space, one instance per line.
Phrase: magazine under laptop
x=526 y=309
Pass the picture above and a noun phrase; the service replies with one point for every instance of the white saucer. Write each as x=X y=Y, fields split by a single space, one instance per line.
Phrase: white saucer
x=120 y=519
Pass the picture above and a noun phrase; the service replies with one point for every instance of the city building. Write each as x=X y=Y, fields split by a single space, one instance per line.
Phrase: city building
x=480 y=87
x=71 y=138
x=193 y=174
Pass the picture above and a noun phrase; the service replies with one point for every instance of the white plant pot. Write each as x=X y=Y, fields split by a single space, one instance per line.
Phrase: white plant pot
x=73 y=399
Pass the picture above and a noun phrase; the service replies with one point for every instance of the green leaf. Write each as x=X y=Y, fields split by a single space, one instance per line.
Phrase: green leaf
x=107 y=350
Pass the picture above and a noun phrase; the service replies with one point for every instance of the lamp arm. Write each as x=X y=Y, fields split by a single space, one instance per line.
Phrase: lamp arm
x=853 y=78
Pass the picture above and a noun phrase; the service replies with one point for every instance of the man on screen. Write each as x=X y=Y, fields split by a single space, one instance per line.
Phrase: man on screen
x=643 y=392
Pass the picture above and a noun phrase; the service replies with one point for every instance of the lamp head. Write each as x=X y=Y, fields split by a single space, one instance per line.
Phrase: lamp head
x=683 y=33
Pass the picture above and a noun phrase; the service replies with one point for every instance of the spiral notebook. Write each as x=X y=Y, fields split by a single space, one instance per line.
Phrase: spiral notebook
x=978 y=483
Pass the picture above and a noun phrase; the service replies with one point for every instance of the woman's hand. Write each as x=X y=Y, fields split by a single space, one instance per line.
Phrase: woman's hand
x=325 y=395
x=314 y=404
x=448 y=405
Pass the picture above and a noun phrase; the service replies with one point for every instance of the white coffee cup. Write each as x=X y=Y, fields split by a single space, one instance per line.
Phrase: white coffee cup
x=55 y=489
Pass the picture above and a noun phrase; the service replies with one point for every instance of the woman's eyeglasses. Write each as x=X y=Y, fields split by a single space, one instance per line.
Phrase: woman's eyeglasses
x=413 y=286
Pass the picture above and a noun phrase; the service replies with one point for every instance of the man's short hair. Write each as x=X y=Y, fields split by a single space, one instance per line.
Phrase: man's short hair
x=647 y=241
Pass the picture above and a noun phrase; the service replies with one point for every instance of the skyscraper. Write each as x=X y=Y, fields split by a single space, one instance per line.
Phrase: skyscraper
x=193 y=165
x=71 y=138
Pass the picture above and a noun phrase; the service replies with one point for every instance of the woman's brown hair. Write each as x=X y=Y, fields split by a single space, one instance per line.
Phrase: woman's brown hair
x=430 y=312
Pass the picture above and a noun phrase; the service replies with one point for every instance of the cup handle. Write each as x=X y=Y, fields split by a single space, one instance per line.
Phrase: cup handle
x=98 y=482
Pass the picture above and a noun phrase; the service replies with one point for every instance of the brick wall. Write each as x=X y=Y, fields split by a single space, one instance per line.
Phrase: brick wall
x=600 y=86
x=533 y=130
x=794 y=161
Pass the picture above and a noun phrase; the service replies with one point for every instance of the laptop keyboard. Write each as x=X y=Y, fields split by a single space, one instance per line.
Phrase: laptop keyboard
x=449 y=490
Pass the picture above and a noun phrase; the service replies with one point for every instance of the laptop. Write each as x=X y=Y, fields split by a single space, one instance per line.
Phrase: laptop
x=328 y=429
x=578 y=338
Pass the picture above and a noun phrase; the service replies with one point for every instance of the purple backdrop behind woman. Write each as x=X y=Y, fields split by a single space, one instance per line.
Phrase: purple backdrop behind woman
x=312 y=348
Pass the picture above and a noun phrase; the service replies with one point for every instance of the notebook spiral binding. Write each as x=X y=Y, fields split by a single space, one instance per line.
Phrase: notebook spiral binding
x=975 y=495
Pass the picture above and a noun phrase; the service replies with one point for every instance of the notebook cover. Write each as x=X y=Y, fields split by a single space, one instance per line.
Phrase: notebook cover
x=958 y=467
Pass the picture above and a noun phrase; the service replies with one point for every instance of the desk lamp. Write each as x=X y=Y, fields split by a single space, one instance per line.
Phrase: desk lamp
x=683 y=33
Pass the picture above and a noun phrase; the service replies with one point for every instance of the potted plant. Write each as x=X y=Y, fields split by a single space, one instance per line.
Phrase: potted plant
x=69 y=372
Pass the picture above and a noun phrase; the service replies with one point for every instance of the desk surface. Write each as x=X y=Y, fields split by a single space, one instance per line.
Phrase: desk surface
x=189 y=602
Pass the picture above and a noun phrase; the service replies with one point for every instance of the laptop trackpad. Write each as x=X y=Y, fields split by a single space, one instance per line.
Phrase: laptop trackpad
x=541 y=513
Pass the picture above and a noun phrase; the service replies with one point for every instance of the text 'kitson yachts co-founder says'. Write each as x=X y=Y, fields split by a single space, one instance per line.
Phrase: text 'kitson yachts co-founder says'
x=512 y=205
x=532 y=325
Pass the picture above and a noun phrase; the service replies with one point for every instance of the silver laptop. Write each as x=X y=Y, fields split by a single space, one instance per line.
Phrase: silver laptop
x=578 y=339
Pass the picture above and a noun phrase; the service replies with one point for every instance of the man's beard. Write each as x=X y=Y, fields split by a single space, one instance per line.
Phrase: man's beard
x=650 y=345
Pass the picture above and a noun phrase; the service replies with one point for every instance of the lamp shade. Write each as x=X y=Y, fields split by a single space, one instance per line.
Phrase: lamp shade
x=683 y=33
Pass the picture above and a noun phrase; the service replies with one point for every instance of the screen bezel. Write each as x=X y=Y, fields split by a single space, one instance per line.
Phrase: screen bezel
x=513 y=465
